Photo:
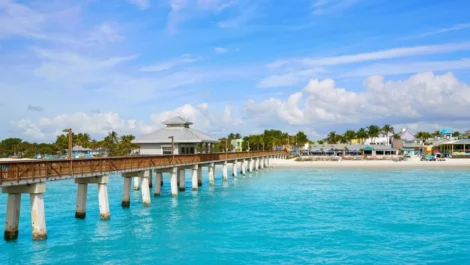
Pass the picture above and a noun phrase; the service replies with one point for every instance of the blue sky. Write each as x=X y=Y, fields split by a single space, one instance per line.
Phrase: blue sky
x=232 y=65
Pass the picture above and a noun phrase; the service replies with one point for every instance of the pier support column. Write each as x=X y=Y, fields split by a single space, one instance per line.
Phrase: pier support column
x=38 y=216
x=199 y=175
x=12 y=217
x=181 y=179
x=126 y=192
x=146 y=175
x=211 y=173
x=150 y=179
x=224 y=171
x=250 y=165
x=261 y=162
x=80 y=210
x=234 y=169
x=243 y=167
x=174 y=182
x=103 y=198
x=158 y=181
x=137 y=183
x=256 y=163
x=102 y=193
x=194 y=178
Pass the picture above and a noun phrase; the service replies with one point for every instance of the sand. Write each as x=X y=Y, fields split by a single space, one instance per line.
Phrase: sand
x=411 y=163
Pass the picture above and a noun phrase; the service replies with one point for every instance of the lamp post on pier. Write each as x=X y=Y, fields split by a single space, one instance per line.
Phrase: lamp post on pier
x=172 y=149
x=69 y=157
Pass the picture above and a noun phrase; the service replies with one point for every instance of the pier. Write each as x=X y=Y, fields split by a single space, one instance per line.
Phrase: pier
x=31 y=176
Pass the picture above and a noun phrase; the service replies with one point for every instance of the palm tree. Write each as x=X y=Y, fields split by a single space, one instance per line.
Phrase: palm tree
x=349 y=135
x=373 y=131
x=332 y=137
x=386 y=129
x=362 y=134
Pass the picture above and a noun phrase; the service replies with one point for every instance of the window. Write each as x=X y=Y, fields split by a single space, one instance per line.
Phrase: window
x=192 y=150
x=166 y=150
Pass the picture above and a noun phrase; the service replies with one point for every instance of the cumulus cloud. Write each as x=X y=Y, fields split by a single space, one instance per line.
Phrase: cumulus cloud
x=222 y=50
x=96 y=124
x=421 y=98
x=100 y=124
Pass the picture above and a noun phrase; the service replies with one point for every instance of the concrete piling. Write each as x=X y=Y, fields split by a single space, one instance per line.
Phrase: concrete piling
x=158 y=179
x=80 y=210
x=234 y=169
x=224 y=171
x=194 y=178
x=199 y=176
x=181 y=179
x=126 y=193
x=146 y=187
x=12 y=217
x=173 y=180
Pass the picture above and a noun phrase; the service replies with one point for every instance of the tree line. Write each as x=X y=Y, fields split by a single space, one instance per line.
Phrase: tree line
x=374 y=131
x=115 y=144
x=121 y=145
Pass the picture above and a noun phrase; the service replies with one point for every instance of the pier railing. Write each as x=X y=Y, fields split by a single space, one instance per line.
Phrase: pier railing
x=39 y=169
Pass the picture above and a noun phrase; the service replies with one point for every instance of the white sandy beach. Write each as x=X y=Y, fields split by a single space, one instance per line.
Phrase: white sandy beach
x=412 y=163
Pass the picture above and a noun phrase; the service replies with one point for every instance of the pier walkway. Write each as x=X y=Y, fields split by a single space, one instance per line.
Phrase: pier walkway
x=30 y=176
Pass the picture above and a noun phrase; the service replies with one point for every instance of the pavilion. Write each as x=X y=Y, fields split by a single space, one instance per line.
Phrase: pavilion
x=185 y=139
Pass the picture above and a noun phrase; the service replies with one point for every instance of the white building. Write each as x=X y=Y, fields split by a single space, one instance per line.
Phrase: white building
x=186 y=139
x=381 y=140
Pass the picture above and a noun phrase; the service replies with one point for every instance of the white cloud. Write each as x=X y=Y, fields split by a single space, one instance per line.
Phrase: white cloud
x=96 y=124
x=20 y=20
x=295 y=70
x=167 y=65
x=142 y=4
x=385 y=54
x=407 y=68
x=100 y=124
x=444 y=30
x=423 y=97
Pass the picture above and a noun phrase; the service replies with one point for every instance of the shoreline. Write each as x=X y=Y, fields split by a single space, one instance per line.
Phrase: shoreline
x=449 y=163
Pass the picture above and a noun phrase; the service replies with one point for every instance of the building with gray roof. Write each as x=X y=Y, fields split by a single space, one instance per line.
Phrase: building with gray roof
x=185 y=139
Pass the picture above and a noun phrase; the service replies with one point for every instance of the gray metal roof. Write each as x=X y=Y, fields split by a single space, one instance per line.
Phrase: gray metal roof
x=180 y=134
x=453 y=142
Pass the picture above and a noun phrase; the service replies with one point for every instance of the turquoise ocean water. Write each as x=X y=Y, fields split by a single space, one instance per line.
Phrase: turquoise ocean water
x=275 y=216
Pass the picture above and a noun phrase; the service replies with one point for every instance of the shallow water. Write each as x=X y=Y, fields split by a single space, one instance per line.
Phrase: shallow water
x=274 y=216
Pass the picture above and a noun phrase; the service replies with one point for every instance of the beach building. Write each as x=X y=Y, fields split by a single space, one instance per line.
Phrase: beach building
x=406 y=135
x=455 y=148
x=186 y=140
x=383 y=139
x=237 y=145
x=350 y=149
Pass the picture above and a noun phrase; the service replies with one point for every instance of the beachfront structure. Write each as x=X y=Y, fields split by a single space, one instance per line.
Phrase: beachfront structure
x=383 y=139
x=447 y=133
x=80 y=151
x=350 y=149
x=453 y=147
x=406 y=135
x=185 y=139
x=237 y=145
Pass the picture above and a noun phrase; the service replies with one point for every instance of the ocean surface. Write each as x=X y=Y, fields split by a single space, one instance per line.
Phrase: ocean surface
x=275 y=216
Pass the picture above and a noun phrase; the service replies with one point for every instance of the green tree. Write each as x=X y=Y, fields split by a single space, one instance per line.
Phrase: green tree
x=386 y=130
x=332 y=138
x=349 y=135
x=373 y=131
x=302 y=138
x=362 y=134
